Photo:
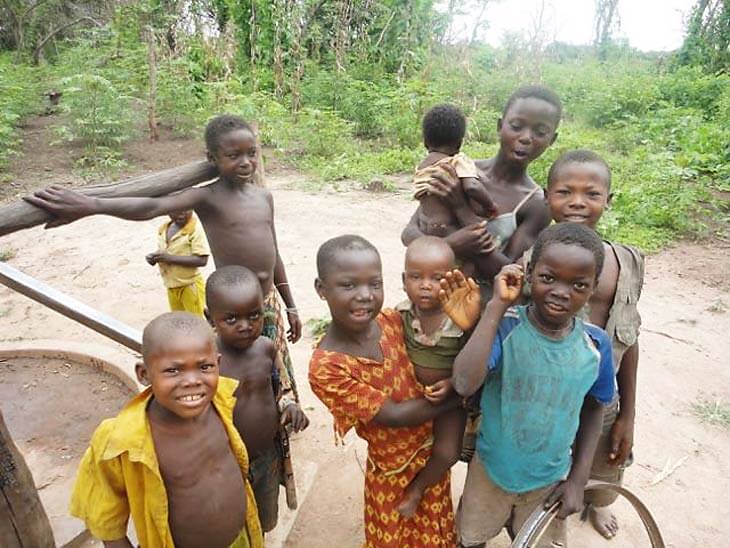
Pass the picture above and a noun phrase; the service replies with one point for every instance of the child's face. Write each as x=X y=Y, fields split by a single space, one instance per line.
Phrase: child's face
x=237 y=315
x=527 y=129
x=183 y=373
x=236 y=156
x=181 y=218
x=562 y=281
x=579 y=193
x=424 y=270
x=353 y=289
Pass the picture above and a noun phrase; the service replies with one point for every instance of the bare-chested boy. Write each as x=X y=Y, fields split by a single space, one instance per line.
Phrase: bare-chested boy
x=236 y=312
x=237 y=215
x=579 y=191
x=172 y=457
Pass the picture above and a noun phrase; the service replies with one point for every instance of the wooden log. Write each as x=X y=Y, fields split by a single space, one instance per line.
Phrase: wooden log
x=20 y=215
x=23 y=521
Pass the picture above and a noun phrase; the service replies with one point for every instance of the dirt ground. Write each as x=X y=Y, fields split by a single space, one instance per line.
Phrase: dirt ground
x=681 y=471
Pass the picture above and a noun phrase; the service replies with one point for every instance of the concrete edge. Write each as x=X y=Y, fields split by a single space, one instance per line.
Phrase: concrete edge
x=119 y=364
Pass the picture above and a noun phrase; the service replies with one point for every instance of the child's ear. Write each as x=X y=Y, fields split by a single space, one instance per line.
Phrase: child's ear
x=609 y=199
x=141 y=370
x=206 y=313
x=319 y=288
x=555 y=136
x=499 y=125
x=210 y=156
x=403 y=280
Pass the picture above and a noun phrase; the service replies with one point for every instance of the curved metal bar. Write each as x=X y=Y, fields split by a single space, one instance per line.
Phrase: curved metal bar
x=535 y=526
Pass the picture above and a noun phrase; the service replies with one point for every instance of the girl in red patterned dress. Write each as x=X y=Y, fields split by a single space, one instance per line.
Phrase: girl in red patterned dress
x=361 y=372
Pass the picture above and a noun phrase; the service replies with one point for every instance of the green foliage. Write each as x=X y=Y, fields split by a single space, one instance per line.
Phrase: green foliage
x=20 y=95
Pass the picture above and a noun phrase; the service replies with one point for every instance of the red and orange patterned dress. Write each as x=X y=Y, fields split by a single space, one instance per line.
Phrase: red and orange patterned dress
x=354 y=389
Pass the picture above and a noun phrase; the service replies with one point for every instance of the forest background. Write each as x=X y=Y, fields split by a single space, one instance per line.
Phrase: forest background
x=338 y=89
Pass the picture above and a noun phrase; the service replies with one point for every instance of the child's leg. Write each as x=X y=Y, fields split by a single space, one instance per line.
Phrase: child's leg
x=484 y=508
x=555 y=536
x=265 y=473
x=601 y=517
x=448 y=432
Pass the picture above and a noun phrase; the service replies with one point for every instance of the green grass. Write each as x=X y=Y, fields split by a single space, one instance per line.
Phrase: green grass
x=317 y=326
x=6 y=254
x=712 y=412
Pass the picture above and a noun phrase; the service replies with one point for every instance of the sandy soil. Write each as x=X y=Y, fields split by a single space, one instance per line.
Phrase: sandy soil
x=681 y=470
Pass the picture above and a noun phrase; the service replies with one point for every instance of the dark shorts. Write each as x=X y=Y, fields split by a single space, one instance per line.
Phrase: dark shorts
x=265 y=475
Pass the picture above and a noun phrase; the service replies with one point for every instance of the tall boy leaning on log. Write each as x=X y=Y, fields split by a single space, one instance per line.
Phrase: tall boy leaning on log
x=236 y=213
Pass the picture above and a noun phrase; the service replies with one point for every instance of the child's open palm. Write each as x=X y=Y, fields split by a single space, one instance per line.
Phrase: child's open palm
x=460 y=299
x=508 y=284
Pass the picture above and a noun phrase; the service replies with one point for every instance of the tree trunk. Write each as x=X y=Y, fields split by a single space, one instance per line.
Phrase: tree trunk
x=23 y=521
x=152 y=97
x=19 y=215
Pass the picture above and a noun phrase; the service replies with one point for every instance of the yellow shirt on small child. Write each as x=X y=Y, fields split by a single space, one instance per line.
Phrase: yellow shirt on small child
x=119 y=475
x=189 y=240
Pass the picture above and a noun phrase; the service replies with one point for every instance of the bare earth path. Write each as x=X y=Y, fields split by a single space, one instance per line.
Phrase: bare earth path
x=682 y=469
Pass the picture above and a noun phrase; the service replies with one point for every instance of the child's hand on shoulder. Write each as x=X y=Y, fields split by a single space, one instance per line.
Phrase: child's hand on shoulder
x=460 y=299
x=293 y=414
x=439 y=391
x=508 y=285
x=569 y=494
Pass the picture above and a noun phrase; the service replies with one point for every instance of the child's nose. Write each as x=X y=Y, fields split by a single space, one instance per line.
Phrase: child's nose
x=364 y=293
x=191 y=378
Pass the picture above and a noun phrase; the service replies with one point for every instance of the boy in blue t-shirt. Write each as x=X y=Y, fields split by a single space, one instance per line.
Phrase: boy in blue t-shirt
x=546 y=377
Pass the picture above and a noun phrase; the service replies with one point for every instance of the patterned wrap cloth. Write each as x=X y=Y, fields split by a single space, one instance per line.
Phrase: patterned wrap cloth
x=275 y=330
x=354 y=389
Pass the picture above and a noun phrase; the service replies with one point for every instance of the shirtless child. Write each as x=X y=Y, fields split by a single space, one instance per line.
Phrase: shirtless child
x=432 y=341
x=236 y=312
x=171 y=458
x=237 y=215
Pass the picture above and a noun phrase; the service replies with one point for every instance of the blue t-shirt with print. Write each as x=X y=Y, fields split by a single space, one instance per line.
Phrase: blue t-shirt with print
x=532 y=398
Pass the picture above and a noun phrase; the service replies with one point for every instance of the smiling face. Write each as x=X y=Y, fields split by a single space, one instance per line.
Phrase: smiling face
x=236 y=156
x=425 y=266
x=527 y=129
x=352 y=285
x=183 y=373
x=579 y=193
x=236 y=312
x=562 y=280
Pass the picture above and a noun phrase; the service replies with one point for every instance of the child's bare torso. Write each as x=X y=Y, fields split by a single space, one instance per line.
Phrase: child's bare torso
x=602 y=299
x=256 y=414
x=239 y=225
x=204 y=484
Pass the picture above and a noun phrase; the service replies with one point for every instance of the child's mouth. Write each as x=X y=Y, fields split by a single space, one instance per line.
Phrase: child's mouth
x=361 y=313
x=191 y=399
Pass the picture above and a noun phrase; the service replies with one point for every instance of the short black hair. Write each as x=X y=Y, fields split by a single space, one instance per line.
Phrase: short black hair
x=444 y=125
x=219 y=126
x=577 y=156
x=328 y=251
x=162 y=329
x=229 y=276
x=536 y=92
x=570 y=234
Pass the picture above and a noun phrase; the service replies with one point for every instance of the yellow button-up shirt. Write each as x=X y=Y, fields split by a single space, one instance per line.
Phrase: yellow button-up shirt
x=119 y=475
x=189 y=240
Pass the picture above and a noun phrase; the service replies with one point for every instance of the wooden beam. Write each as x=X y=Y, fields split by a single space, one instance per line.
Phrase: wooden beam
x=23 y=521
x=19 y=215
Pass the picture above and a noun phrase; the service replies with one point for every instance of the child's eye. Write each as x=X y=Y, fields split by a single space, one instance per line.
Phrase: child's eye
x=516 y=127
x=594 y=194
x=580 y=286
x=414 y=276
x=376 y=284
x=254 y=316
x=348 y=285
x=207 y=366
x=171 y=371
x=547 y=278
x=230 y=320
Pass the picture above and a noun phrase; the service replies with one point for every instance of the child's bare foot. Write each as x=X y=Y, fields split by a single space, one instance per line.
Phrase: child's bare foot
x=603 y=521
x=411 y=499
x=460 y=299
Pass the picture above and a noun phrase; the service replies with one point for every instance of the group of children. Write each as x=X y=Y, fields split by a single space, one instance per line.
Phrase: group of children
x=530 y=344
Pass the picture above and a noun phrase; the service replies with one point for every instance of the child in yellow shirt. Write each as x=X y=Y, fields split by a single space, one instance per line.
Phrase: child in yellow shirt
x=182 y=251
x=171 y=458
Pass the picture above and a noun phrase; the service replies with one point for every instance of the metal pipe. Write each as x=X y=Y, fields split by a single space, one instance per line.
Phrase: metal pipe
x=70 y=307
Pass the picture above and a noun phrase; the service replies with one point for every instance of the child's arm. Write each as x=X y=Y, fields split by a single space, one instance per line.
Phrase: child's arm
x=197 y=261
x=622 y=431
x=67 y=205
x=282 y=286
x=413 y=412
x=471 y=364
x=570 y=491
